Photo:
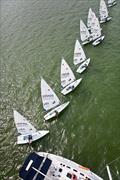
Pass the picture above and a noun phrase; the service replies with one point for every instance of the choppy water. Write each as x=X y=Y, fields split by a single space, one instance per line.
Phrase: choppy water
x=35 y=34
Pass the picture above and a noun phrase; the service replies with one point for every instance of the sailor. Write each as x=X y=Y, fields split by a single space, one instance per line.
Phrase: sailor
x=30 y=139
x=72 y=87
x=56 y=113
x=74 y=177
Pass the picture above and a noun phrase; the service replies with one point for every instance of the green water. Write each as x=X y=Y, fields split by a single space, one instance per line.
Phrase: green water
x=34 y=35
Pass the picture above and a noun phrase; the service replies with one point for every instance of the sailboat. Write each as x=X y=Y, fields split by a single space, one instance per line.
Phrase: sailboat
x=96 y=31
x=80 y=57
x=84 y=33
x=89 y=19
x=103 y=12
x=50 y=101
x=46 y=166
x=68 y=80
x=111 y=3
x=27 y=132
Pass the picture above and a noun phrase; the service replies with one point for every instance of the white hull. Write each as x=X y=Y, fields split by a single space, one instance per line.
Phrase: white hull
x=112 y=4
x=52 y=167
x=98 y=41
x=58 y=109
x=105 y=20
x=71 y=86
x=83 y=66
x=23 y=139
x=87 y=41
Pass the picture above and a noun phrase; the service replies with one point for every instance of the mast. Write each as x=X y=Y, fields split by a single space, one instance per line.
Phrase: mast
x=109 y=173
x=41 y=173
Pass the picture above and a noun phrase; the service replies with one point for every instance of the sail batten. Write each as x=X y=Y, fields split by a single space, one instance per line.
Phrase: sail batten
x=67 y=75
x=49 y=98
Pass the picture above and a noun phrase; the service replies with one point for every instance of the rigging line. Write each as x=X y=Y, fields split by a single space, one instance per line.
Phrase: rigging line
x=113 y=160
x=109 y=164
x=116 y=174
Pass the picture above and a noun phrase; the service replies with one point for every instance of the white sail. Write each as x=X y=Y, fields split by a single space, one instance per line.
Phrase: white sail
x=67 y=75
x=49 y=98
x=95 y=29
x=89 y=18
x=22 y=124
x=79 y=55
x=84 y=33
x=103 y=11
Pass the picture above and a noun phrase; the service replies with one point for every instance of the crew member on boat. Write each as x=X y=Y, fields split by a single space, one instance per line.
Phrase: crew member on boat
x=30 y=139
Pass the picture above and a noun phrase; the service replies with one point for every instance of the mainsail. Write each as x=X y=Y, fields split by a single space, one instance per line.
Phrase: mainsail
x=49 y=98
x=89 y=18
x=67 y=75
x=84 y=33
x=22 y=124
x=103 y=11
x=95 y=29
x=79 y=55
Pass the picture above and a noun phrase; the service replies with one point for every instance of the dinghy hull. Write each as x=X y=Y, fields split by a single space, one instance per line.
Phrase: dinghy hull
x=105 y=20
x=53 y=113
x=69 y=88
x=98 y=41
x=85 y=42
x=112 y=4
x=83 y=66
x=24 y=139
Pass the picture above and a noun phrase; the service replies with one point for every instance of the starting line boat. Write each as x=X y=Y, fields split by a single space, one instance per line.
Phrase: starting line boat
x=68 y=80
x=103 y=12
x=51 y=101
x=27 y=132
x=45 y=166
x=80 y=57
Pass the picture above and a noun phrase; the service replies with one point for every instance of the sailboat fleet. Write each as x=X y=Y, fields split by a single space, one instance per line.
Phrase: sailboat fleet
x=46 y=166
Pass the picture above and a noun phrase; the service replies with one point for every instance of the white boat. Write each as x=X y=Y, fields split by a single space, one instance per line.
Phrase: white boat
x=84 y=33
x=96 y=32
x=111 y=3
x=68 y=80
x=103 y=12
x=50 y=101
x=83 y=66
x=80 y=57
x=46 y=166
x=27 y=132
x=89 y=19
